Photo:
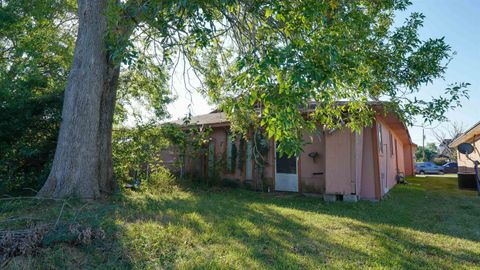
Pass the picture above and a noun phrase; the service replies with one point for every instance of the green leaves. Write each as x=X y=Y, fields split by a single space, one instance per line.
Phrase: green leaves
x=268 y=12
x=36 y=48
x=143 y=89
x=135 y=149
x=436 y=108
x=289 y=54
x=265 y=62
x=278 y=67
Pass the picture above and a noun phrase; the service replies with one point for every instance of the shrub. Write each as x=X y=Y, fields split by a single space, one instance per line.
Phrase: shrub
x=136 y=151
x=162 y=180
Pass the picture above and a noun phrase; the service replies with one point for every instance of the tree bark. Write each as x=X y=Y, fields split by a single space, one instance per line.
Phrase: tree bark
x=82 y=166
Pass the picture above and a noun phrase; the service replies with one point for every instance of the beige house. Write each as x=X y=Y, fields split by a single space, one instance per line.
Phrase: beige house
x=466 y=171
x=337 y=164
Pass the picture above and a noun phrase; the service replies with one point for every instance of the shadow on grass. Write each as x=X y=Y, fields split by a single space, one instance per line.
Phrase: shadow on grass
x=422 y=225
x=257 y=237
x=221 y=228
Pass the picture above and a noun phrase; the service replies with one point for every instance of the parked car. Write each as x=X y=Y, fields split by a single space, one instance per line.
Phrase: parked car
x=450 y=167
x=428 y=168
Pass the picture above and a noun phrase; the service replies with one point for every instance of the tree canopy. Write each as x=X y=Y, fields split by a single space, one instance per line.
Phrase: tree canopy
x=36 y=48
x=427 y=153
x=261 y=61
x=296 y=52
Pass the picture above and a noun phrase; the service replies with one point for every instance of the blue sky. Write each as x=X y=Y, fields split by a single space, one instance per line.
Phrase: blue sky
x=456 y=20
x=459 y=22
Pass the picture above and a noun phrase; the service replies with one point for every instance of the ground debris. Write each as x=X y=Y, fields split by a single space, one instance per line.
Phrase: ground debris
x=29 y=241
x=85 y=235
x=21 y=242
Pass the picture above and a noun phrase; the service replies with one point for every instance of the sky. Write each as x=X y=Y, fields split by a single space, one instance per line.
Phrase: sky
x=456 y=20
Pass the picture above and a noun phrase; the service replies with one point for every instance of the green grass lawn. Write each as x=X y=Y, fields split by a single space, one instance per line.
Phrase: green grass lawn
x=427 y=224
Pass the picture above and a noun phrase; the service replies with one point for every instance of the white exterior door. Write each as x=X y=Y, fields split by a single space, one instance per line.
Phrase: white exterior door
x=286 y=173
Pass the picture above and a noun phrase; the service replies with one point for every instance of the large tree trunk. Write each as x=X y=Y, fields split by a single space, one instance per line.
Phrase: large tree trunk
x=82 y=165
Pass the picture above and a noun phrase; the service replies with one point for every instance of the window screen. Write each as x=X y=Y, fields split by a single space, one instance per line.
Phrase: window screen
x=286 y=164
x=230 y=154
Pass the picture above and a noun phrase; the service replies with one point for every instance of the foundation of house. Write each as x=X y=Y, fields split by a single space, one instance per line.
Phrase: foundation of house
x=330 y=197
x=340 y=197
x=350 y=198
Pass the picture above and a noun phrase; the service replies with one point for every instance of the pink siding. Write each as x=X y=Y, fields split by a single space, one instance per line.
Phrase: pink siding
x=269 y=168
x=312 y=171
x=170 y=158
x=401 y=157
x=346 y=160
x=409 y=151
x=352 y=171
x=389 y=159
x=219 y=136
x=367 y=190
x=358 y=160
x=338 y=162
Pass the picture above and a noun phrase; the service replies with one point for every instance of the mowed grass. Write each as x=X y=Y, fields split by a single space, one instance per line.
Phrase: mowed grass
x=428 y=224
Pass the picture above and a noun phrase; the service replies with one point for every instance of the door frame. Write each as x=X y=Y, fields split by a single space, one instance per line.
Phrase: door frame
x=297 y=171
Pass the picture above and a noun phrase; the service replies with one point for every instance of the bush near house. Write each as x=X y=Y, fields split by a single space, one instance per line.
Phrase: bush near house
x=136 y=153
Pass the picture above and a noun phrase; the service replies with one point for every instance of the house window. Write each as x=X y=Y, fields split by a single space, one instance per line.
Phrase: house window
x=286 y=164
x=248 y=160
x=211 y=159
x=380 y=138
x=396 y=145
x=231 y=154
x=390 y=136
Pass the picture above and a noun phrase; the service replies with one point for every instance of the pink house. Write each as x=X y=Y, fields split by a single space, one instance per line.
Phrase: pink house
x=339 y=164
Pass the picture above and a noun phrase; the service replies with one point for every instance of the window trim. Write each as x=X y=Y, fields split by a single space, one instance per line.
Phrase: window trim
x=391 y=143
x=380 y=138
x=229 y=162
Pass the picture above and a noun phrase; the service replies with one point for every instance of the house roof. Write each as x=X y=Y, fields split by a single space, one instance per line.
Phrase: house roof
x=470 y=135
x=213 y=118
x=218 y=118
x=398 y=127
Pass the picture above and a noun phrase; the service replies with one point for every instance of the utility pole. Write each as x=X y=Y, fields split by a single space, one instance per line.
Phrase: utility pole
x=423 y=143
x=423 y=137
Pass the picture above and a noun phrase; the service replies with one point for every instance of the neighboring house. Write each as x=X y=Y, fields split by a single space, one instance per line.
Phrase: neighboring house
x=465 y=166
x=338 y=164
